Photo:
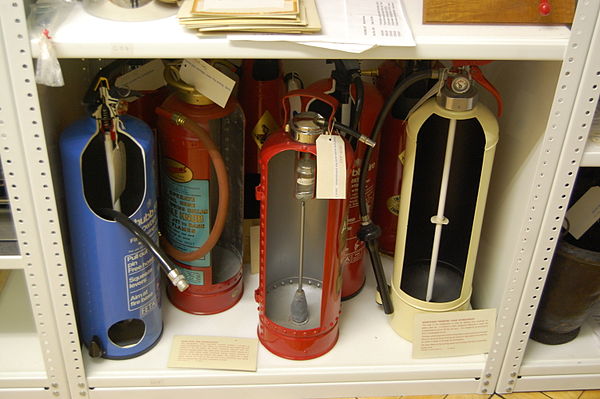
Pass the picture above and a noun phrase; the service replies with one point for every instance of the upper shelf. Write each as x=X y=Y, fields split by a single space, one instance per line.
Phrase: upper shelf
x=84 y=36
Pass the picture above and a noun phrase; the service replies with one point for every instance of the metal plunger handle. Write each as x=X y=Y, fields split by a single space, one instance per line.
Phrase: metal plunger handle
x=301 y=257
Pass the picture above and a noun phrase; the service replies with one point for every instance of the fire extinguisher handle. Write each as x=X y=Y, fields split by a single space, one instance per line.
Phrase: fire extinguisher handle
x=479 y=78
x=327 y=99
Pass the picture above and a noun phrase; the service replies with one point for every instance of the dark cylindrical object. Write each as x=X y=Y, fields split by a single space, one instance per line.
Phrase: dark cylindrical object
x=572 y=289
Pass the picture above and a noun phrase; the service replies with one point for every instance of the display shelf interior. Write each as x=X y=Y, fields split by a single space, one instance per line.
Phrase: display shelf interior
x=591 y=156
x=367 y=350
x=580 y=356
x=21 y=361
x=9 y=247
x=83 y=35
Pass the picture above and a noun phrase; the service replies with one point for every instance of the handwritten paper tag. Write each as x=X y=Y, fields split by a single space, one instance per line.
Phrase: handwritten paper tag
x=221 y=353
x=331 y=167
x=467 y=332
x=207 y=79
x=584 y=213
x=147 y=77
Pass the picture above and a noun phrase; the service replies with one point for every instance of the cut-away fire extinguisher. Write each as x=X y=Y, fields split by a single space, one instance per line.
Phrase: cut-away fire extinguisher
x=261 y=89
x=108 y=170
x=360 y=103
x=302 y=237
x=451 y=140
x=201 y=207
x=392 y=144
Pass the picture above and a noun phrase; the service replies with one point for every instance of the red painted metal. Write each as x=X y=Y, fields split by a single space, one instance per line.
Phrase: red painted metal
x=182 y=146
x=353 y=265
x=285 y=342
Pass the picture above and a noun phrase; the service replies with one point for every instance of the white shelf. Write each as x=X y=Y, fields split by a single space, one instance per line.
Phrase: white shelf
x=368 y=351
x=21 y=361
x=591 y=156
x=84 y=36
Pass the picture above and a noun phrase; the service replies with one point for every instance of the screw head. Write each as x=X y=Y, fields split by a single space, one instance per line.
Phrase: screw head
x=461 y=84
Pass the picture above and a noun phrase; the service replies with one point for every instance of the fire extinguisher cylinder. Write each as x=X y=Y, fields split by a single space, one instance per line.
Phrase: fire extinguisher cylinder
x=369 y=232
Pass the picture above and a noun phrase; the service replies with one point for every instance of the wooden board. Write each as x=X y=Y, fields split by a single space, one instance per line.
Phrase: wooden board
x=496 y=11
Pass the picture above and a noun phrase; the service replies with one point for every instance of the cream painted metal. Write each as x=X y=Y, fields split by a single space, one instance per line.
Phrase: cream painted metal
x=405 y=305
x=27 y=173
x=529 y=365
x=369 y=359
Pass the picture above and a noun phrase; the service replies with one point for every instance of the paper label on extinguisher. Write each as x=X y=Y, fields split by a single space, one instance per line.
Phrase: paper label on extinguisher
x=149 y=76
x=331 y=167
x=584 y=213
x=207 y=79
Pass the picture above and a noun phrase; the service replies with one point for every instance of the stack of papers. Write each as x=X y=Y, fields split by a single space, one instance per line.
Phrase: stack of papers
x=265 y=16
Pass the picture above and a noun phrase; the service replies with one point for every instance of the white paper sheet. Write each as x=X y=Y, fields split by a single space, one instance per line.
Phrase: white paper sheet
x=367 y=23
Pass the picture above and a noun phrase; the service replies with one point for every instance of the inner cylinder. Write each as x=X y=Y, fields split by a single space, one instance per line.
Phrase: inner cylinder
x=283 y=250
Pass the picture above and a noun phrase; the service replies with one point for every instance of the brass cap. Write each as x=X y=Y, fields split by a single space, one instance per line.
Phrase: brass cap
x=186 y=93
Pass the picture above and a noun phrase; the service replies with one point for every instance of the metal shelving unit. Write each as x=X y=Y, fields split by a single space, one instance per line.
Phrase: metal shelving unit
x=369 y=359
x=529 y=365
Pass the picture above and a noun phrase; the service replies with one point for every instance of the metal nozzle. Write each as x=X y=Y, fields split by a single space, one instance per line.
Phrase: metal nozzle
x=178 y=280
x=178 y=119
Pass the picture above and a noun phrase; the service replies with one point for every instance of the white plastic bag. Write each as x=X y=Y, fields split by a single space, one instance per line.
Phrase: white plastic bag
x=44 y=19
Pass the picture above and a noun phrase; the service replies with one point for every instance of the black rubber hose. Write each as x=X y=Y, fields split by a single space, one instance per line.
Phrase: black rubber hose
x=387 y=107
x=369 y=232
x=166 y=264
x=359 y=101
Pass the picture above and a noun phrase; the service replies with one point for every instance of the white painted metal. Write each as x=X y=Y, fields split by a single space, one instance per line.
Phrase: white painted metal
x=28 y=393
x=581 y=69
x=79 y=37
x=18 y=335
x=369 y=358
x=11 y=262
x=27 y=173
x=272 y=391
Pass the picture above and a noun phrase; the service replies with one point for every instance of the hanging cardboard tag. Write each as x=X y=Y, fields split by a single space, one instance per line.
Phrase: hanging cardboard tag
x=208 y=80
x=149 y=76
x=584 y=213
x=331 y=167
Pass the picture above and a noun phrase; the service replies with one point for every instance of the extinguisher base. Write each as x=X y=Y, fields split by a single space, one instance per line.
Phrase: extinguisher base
x=198 y=302
x=297 y=347
x=130 y=355
x=350 y=292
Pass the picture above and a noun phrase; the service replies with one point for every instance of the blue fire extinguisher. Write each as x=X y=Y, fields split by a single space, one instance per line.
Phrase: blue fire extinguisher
x=109 y=176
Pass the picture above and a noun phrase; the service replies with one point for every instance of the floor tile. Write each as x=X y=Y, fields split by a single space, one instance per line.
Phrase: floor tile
x=590 y=395
x=563 y=394
x=524 y=395
x=468 y=396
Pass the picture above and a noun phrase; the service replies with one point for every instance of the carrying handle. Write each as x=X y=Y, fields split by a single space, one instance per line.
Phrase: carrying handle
x=327 y=99
x=478 y=76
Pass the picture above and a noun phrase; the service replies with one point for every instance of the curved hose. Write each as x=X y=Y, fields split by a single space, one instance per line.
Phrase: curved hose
x=166 y=264
x=359 y=102
x=369 y=232
x=223 y=182
x=398 y=90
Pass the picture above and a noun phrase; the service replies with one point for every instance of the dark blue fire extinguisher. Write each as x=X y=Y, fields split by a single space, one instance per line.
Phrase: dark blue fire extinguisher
x=109 y=176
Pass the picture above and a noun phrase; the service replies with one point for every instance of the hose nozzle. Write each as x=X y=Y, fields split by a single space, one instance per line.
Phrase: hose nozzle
x=178 y=280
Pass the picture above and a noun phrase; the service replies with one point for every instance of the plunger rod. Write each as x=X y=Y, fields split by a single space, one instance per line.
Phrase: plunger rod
x=301 y=257
x=440 y=219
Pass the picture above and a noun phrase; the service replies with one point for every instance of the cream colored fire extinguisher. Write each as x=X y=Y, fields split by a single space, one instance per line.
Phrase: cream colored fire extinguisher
x=451 y=140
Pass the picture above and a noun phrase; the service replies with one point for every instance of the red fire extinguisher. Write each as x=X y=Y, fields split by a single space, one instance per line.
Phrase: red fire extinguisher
x=302 y=239
x=360 y=103
x=201 y=211
x=391 y=146
x=261 y=89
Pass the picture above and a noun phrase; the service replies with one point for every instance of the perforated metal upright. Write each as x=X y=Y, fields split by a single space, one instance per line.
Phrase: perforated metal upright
x=565 y=141
x=27 y=172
